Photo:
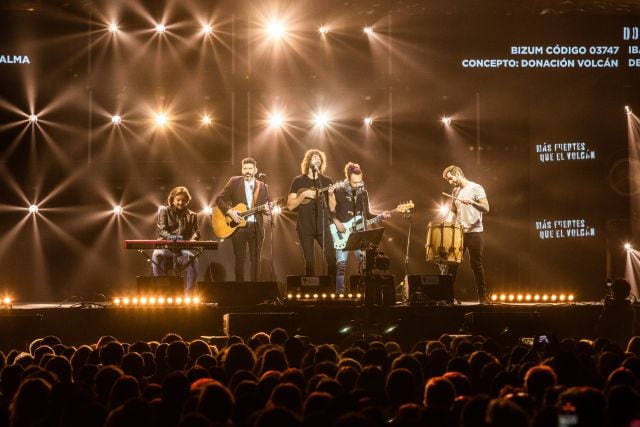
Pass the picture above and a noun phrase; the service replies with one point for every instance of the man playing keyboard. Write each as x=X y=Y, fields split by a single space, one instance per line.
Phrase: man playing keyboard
x=176 y=222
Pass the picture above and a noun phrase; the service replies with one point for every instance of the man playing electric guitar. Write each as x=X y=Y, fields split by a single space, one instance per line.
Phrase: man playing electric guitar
x=248 y=190
x=352 y=200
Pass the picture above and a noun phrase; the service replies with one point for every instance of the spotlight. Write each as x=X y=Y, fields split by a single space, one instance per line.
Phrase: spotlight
x=446 y=120
x=126 y=301
x=116 y=301
x=33 y=118
x=494 y=297
x=161 y=29
x=152 y=300
x=161 y=120
x=206 y=119
x=117 y=209
x=207 y=210
x=570 y=297
x=160 y=300
x=196 y=300
x=628 y=247
x=116 y=120
x=443 y=210
x=187 y=300
x=368 y=30
x=207 y=29
x=113 y=28
x=528 y=297
x=627 y=109
x=275 y=30
x=33 y=209
x=368 y=121
x=321 y=119
x=143 y=300
x=276 y=120
x=6 y=301
x=323 y=30
x=276 y=210
x=179 y=300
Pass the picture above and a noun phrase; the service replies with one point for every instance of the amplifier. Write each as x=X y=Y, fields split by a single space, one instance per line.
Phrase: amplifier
x=427 y=288
x=310 y=285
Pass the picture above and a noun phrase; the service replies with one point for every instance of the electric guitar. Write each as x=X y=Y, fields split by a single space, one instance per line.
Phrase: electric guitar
x=319 y=190
x=224 y=226
x=356 y=224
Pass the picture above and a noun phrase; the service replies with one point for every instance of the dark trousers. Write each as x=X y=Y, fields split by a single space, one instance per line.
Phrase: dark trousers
x=307 y=242
x=474 y=243
x=252 y=237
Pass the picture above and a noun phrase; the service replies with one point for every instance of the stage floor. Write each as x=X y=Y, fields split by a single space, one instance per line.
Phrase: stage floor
x=79 y=324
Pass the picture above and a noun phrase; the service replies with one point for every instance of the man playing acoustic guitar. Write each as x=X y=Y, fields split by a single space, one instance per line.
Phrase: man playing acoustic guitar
x=245 y=189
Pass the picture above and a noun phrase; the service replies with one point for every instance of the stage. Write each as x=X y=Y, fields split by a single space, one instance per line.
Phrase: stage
x=84 y=323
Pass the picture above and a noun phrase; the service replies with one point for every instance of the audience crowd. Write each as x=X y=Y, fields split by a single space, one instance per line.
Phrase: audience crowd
x=280 y=380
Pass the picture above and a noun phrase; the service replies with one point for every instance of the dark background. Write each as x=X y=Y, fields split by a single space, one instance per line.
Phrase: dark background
x=76 y=165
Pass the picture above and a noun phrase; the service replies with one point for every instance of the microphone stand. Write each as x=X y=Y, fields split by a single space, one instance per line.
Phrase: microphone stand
x=272 y=276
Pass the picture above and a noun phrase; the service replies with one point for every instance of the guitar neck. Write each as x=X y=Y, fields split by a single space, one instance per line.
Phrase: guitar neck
x=252 y=211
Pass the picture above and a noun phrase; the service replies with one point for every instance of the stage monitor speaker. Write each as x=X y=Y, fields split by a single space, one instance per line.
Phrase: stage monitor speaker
x=427 y=288
x=160 y=285
x=238 y=293
x=503 y=323
x=378 y=289
x=310 y=285
x=247 y=324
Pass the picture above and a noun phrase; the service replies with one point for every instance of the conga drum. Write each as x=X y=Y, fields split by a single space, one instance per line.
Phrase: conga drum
x=444 y=242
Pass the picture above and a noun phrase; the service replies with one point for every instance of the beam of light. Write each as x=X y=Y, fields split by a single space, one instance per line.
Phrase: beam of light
x=207 y=210
x=161 y=28
x=116 y=120
x=207 y=29
x=33 y=209
x=113 y=27
x=627 y=110
x=276 y=120
x=276 y=210
x=368 y=121
x=161 y=120
x=323 y=30
x=368 y=30
x=628 y=247
x=275 y=30
x=33 y=118
x=206 y=120
x=117 y=210
x=321 y=119
x=446 y=120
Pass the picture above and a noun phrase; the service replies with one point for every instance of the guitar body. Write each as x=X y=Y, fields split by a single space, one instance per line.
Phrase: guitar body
x=306 y=200
x=223 y=225
x=340 y=239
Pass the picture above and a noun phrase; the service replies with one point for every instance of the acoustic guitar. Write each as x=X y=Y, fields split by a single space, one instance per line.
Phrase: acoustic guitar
x=224 y=226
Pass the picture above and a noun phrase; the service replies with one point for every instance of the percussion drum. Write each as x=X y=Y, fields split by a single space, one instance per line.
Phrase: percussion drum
x=444 y=242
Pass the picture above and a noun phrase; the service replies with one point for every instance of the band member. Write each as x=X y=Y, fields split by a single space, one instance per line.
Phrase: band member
x=248 y=190
x=469 y=202
x=312 y=196
x=176 y=222
x=351 y=200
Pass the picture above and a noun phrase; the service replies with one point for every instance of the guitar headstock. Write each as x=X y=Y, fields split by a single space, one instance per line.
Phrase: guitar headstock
x=405 y=207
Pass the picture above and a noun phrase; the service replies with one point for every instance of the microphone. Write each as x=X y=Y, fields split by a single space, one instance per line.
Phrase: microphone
x=261 y=176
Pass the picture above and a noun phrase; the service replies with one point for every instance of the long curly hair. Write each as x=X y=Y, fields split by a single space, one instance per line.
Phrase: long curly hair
x=304 y=166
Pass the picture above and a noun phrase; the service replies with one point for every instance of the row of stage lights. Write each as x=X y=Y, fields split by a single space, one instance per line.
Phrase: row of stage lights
x=156 y=301
x=274 y=120
x=324 y=297
x=273 y=29
x=528 y=297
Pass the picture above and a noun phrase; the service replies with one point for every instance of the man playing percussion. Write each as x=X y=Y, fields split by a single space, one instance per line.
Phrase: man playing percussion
x=469 y=202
